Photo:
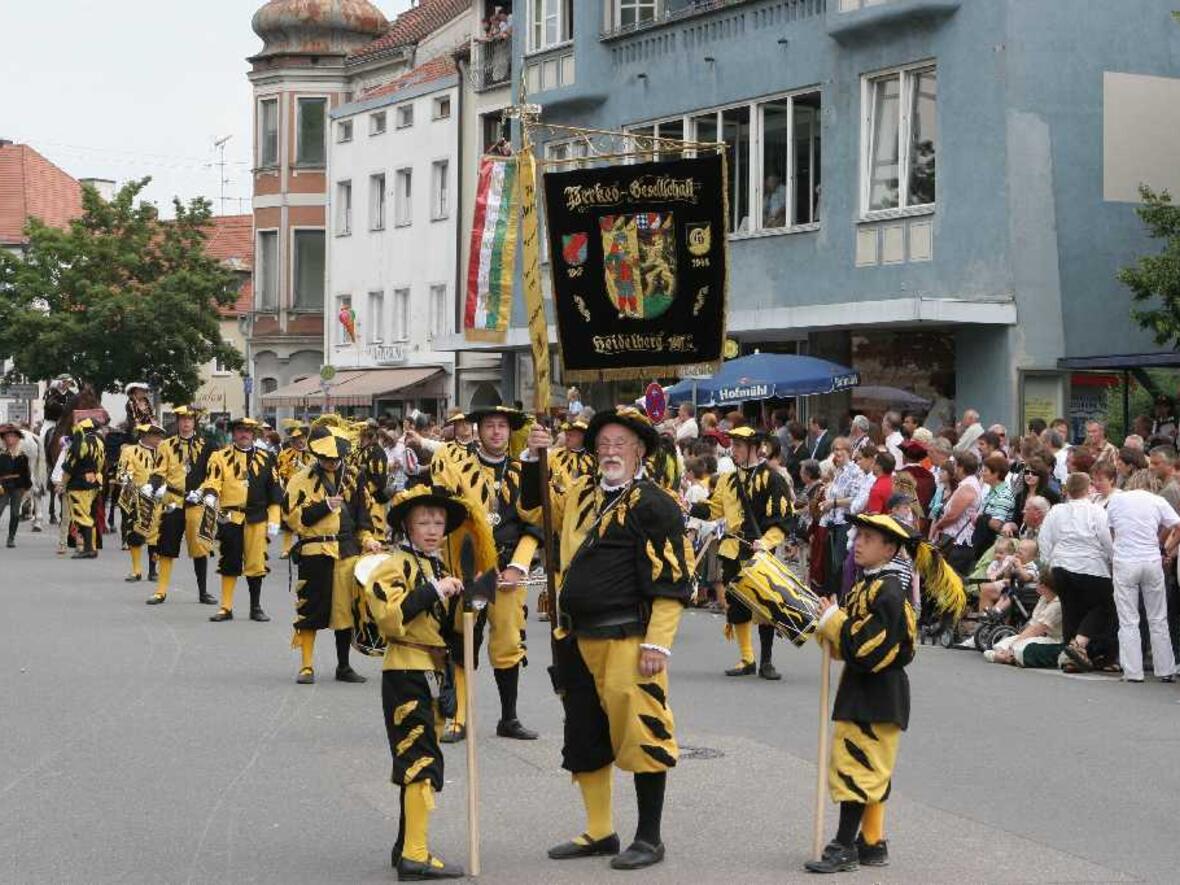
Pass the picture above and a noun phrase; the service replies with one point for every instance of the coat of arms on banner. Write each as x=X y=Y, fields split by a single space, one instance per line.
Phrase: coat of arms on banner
x=639 y=262
x=573 y=249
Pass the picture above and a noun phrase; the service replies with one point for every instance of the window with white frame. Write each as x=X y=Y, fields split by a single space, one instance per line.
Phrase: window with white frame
x=405 y=116
x=900 y=139
x=267 y=297
x=551 y=22
x=309 y=143
x=343 y=208
x=438 y=310
x=439 y=186
x=772 y=153
x=631 y=13
x=401 y=315
x=268 y=132
x=308 y=269
x=404 y=183
x=344 y=131
x=442 y=107
x=376 y=316
x=565 y=154
x=377 y=201
x=220 y=368
x=343 y=303
x=377 y=123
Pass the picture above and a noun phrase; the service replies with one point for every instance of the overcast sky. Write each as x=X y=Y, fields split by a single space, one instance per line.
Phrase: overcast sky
x=135 y=88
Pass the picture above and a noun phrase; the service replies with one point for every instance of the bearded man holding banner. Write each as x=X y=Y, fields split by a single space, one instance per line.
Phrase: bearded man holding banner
x=625 y=570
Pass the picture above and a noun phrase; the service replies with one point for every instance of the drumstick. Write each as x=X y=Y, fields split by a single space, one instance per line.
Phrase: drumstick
x=472 y=760
x=821 y=772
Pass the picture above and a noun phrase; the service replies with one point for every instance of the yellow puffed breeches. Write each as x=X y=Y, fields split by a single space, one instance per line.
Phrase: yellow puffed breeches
x=863 y=756
x=82 y=507
x=192 y=533
x=344 y=588
x=506 y=620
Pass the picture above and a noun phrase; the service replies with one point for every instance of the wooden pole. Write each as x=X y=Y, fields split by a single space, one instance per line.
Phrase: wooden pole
x=821 y=773
x=547 y=548
x=472 y=759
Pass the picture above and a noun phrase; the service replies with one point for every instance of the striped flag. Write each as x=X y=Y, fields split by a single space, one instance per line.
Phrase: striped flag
x=494 y=236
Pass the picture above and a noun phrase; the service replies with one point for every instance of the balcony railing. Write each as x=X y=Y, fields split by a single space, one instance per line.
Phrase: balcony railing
x=492 y=62
x=674 y=12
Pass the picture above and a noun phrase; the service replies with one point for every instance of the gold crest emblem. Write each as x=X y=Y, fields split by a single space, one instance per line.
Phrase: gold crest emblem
x=700 y=238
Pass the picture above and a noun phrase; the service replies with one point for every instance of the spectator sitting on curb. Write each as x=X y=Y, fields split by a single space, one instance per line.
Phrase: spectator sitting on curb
x=1039 y=643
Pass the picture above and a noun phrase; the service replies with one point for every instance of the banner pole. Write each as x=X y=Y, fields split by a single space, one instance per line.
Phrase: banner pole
x=821 y=766
x=473 y=865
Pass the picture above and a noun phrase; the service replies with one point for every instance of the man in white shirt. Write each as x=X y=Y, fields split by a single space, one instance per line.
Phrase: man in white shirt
x=1138 y=520
x=891 y=427
x=686 y=423
x=970 y=431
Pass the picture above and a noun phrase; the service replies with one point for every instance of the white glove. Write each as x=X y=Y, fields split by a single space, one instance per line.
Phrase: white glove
x=211 y=500
x=272 y=529
x=193 y=497
x=161 y=492
x=146 y=490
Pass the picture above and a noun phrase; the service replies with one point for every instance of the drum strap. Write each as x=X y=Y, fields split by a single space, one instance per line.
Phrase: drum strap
x=747 y=504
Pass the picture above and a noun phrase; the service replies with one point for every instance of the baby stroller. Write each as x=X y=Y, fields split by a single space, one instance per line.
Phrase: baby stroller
x=1015 y=605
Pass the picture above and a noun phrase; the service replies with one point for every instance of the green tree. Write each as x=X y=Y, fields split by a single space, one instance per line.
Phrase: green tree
x=1154 y=280
x=117 y=296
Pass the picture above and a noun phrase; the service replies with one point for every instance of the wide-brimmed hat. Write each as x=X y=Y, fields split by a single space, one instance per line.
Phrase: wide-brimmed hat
x=427 y=496
x=143 y=429
x=294 y=428
x=626 y=416
x=326 y=444
x=746 y=435
x=718 y=436
x=516 y=418
x=885 y=525
x=248 y=423
x=454 y=417
x=6 y=429
x=142 y=385
x=188 y=411
x=85 y=424
x=576 y=424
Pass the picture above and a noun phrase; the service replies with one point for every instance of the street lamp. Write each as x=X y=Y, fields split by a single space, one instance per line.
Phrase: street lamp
x=246 y=327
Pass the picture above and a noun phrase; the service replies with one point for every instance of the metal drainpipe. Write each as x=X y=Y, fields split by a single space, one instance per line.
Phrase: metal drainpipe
x=459 y=305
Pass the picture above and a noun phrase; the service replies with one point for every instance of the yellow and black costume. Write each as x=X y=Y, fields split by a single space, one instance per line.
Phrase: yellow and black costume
x=293 y=457
x=571 y=462
x=330 y=540
x=624 y=580
x=417 y=693
x=374 y=470
x=137 y=465
x=490 y=487
x=244 y=486
x=874 y=633
x=755 y=503
x=82 y=477
x=181 y=467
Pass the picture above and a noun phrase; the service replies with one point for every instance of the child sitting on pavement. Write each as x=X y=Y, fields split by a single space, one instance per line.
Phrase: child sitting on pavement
x=1039 y=643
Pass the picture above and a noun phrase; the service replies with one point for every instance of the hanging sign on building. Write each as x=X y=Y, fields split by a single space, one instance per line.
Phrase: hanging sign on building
x=639 y=267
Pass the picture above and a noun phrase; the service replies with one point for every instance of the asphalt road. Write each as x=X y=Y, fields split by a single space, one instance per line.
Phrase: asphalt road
x=146 y=744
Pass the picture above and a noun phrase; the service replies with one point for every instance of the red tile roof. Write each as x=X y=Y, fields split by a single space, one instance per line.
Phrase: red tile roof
x=32 y=186
x=435 y=69
x=414 y=24
x=231 y=241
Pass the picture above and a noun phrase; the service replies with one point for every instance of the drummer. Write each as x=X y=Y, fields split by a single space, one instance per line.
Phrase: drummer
x=407 y=596
x=328 y=508
x=755 y=502
x=874 y=634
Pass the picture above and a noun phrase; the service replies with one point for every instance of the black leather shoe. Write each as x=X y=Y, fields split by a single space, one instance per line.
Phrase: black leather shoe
x=872 y=855
x=639 y=855
x=257 y=614
x=511 y=728
x=607 y=846
x=133 y=579
x=395 y=855
x=837 y=858
x=223 y=615
x=453 y=734
x=206 y=599
x=413 y=871
x=349 y=675
x=156 y=599
x=767 y=671
x=306 y=676
x=85 y=554
x=743 y=670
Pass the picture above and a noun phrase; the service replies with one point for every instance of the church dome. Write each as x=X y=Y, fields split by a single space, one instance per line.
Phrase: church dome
x=317 y=27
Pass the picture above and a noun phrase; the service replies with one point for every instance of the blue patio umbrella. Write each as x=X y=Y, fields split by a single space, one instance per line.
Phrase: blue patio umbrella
x=763 y=376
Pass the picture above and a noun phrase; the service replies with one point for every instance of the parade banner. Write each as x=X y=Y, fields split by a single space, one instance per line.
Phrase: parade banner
x=488 y=305
x=639 y=267
x=533 y=298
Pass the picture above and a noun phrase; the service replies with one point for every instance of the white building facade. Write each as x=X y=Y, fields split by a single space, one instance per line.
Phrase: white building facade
x=393 y=246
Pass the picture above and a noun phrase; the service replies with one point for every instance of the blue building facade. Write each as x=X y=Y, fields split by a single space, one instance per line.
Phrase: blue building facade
x=938 y=192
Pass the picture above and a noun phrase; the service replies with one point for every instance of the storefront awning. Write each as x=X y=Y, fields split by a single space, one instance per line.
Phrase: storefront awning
x=357 y=387
x=1118 y=361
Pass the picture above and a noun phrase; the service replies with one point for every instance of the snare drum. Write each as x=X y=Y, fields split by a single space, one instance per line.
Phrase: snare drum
x=366 y=638
x=776 y=596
